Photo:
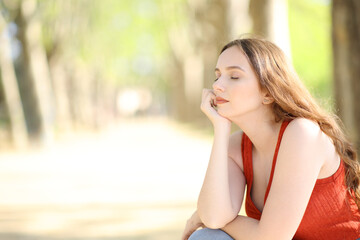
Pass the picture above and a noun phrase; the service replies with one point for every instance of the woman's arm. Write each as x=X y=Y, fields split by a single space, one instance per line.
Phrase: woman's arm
x=192 y=225
x=300 y=159
x=222 y=192
x=223 y=188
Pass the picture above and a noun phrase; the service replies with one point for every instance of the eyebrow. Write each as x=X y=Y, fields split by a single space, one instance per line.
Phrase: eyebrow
x=232 y=67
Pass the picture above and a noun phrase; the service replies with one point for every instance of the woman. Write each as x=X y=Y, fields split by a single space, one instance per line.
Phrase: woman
x=301 y=172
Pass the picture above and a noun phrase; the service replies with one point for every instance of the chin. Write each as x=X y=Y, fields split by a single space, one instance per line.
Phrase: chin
x=229 y=114
x=222 y=113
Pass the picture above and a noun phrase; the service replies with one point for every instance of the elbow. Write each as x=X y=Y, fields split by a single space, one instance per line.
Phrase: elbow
x=215 y=221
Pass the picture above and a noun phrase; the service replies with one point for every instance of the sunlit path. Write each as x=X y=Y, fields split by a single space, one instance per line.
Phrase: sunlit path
x=138 y=179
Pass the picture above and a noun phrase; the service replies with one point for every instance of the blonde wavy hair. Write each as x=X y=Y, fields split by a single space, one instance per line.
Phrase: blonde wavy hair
x=291 y=100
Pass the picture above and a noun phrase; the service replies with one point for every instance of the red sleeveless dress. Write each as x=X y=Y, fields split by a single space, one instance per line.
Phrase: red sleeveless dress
x=331 y=214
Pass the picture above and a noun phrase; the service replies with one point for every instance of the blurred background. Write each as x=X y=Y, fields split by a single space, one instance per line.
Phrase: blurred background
x=101 y=135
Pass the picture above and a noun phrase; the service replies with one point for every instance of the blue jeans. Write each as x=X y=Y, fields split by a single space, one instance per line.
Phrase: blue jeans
x=210 y=234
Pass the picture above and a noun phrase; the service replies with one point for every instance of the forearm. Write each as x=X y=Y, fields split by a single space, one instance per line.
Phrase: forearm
x=244 y=228
x=214 y=203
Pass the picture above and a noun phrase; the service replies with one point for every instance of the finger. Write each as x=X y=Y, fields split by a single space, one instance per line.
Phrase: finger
x=187 y=233
x=208 y=96
x=205 y=93
x=212 y=97
x=213 y=102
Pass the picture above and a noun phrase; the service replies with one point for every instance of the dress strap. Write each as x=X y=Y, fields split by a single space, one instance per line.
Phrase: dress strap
x=246 y=154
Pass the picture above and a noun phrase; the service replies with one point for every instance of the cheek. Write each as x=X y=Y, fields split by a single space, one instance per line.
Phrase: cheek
x=246 y=97
x=241 y=94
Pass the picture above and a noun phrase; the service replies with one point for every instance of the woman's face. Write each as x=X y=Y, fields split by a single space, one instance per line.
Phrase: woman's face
x=237 y=84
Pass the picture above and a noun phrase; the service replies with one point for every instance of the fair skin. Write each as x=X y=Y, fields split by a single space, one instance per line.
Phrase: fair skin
x=305 y=155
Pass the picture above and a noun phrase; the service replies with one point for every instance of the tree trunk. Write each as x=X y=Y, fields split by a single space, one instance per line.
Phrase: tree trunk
x=11 y=90
x=239 y=20
x=346 y=59
x=61 y=95
x=195 y=49
x=38 y=70
x=270 y=20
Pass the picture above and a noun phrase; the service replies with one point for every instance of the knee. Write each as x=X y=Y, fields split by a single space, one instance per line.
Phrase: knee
x=209 y=234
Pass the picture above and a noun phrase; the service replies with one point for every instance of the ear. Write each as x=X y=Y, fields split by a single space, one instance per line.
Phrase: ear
x=267 y=99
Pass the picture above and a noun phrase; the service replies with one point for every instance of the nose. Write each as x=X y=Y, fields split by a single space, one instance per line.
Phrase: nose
x=218 y=86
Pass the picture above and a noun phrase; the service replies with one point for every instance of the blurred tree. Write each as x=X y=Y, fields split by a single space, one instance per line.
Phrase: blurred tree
x=194 y=47
x=35 y=58
x=238 y=18
x=35 y=84
x=76 y=57
x=346 y=51
x=97 y=50
x=36 y=88
x=270 y=20
x=11 y=90
x=66 y=25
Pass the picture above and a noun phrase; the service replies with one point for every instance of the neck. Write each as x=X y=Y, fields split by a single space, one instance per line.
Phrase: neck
x=262 y=130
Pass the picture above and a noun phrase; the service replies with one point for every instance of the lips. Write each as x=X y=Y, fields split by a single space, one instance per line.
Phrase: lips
x=220 y=100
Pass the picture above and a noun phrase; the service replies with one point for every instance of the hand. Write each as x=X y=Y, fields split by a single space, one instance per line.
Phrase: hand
x=191 y=225
x=208 y=105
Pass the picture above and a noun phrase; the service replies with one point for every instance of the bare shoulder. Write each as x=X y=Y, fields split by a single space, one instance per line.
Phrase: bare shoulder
x=305 y=136
x=234 y=150
x=302 y=129
x=298 y=166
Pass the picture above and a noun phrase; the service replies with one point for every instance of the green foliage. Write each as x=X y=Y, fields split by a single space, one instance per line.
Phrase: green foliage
x=125 y=41
x=310 y=33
